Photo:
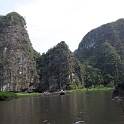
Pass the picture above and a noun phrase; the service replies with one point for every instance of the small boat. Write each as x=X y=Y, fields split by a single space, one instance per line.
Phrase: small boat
x=62 y=92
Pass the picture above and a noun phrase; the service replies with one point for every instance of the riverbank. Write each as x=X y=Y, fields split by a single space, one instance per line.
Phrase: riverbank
x=91 y=89
x=5 y=96
x=10 y=95
x=26 y=94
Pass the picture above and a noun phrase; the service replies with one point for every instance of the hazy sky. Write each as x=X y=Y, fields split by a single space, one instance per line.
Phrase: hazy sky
x=52 y=21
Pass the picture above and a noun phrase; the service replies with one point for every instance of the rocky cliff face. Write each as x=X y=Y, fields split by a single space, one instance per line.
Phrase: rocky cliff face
x=103 y=48
x=17 y=65
x=111 y=33
x=59 y=69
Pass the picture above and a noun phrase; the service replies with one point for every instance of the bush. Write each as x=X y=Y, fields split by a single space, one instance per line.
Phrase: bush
x=71 y=87
x=111 y=84
x=99 y=86
x=6 y=95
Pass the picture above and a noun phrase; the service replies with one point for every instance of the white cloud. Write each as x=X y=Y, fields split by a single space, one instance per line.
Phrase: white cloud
x=52 y=21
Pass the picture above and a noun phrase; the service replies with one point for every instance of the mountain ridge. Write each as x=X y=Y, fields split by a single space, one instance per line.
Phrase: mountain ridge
x=103 y=48
x=99 y=59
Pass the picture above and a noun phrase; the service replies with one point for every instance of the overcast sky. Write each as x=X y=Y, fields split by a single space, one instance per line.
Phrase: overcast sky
x=52 y=21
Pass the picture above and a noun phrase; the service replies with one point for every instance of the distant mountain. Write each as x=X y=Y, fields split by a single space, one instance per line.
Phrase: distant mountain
x=103 y=48
x=59 y=69
x=17 y=65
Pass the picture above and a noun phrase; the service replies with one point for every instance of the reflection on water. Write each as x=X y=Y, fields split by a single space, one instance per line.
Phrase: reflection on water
x=74 y=108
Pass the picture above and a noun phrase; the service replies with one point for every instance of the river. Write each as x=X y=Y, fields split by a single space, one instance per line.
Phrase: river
x=95 y=107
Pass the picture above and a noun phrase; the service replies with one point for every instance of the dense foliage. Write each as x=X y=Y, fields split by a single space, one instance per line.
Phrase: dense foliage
x=102 y=49
x=59 y=69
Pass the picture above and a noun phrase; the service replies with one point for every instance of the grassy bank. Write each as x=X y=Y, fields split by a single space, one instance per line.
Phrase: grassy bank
x=7 y=96
x=92 y=89
x=10 y=95
x=26 y=94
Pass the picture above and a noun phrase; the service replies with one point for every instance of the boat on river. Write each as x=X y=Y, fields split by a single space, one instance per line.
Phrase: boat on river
x=62 y=92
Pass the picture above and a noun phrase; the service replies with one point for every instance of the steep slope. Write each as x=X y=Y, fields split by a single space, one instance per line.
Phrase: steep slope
x=59 y=69
x=17 y=66
x=103 y=48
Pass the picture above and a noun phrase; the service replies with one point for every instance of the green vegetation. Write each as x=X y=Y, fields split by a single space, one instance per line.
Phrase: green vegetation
x=101 y=52
x=11 y=95
x=19 y=95
x=7 y=95
x=59 y=69
x=91 y=89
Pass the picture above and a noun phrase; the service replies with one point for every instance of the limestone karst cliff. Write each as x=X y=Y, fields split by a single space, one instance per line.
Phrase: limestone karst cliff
x=99 y=59
x=59 y=69
x=17 y=66
x=103 y=48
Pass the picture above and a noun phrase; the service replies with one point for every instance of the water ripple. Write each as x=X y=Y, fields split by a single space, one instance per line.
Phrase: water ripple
x=78 y=122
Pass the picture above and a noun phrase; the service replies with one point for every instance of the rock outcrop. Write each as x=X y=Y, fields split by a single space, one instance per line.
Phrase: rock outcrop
x=59 y=69
x=17 y=66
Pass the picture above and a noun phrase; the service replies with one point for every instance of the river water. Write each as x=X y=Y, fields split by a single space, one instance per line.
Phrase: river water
x=73 y=108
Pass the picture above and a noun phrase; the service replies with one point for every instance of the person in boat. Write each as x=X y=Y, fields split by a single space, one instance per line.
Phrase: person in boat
x=62 y=92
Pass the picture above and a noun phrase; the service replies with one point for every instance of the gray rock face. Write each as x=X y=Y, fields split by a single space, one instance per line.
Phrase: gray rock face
x=59 y=69
x=18 y=69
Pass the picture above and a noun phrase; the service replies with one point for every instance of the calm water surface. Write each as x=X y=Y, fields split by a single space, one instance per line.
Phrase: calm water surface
x=74 y=108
